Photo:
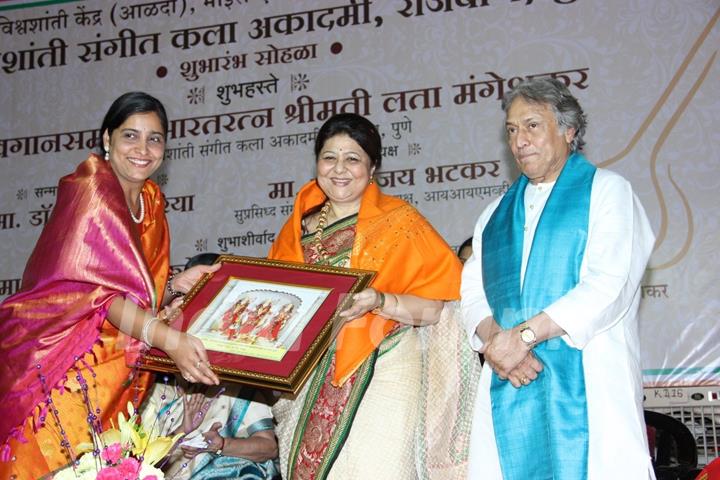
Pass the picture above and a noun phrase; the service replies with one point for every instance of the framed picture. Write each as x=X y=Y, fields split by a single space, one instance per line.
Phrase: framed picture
x=265 y=322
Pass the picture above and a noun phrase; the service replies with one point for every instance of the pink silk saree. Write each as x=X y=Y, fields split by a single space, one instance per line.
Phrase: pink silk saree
x=88 y=253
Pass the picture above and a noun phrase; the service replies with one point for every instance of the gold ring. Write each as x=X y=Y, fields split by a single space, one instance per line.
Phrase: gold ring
x=525 y=380
x=197 y=365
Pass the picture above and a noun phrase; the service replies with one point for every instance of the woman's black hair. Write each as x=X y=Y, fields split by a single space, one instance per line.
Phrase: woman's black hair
x=202 y=259
x=466 y=243
x=129 y=104
x=359 y=128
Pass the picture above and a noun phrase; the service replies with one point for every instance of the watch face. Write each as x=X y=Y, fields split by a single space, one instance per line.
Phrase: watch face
x=527 y=335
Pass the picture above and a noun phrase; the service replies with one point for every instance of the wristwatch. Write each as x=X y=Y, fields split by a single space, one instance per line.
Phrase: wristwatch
x=527 y=335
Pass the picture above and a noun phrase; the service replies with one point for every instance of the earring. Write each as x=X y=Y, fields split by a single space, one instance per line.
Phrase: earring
x=107 y=153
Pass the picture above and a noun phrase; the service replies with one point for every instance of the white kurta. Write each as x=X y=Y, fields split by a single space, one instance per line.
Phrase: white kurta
x=600 y=318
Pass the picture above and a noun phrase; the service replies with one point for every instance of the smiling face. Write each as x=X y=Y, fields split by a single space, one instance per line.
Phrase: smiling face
x=136 y=149
x=539 y=145
x=343 y=171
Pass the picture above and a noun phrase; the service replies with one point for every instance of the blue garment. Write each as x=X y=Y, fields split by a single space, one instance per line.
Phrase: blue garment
x=235 y=468
x=540 y=429
x=210 y=467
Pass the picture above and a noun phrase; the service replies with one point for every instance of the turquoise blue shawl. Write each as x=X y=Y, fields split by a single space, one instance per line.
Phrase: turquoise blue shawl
x=540 y=429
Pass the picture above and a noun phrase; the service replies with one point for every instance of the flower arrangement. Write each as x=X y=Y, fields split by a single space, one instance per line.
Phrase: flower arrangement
x=128 y=452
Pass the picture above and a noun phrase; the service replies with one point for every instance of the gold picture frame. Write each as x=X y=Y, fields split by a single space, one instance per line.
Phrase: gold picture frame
x=265 y=323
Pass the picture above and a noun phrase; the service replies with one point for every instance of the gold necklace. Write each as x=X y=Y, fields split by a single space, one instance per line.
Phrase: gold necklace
x=317 y=239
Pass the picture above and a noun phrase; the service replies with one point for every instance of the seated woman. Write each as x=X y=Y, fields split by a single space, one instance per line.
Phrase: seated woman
x=99 y=267
x=357 y=415
x=229 y=432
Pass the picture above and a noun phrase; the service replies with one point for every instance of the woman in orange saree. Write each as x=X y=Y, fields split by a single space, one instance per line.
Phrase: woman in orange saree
x=103 y=254
x=357 y=415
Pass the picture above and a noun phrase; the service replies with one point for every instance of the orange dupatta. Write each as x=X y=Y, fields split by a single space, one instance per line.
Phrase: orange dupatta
x=394 y=240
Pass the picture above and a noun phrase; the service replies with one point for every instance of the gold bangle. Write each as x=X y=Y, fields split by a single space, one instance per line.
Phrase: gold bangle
x=378 y=309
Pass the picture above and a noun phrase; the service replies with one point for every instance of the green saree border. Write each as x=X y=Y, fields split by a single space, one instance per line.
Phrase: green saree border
x=345 y=421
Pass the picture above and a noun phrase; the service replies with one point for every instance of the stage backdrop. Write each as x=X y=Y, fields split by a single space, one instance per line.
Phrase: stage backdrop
x=247 y=83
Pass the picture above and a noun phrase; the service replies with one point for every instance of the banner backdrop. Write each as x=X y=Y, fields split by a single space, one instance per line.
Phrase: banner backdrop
x=247 y=83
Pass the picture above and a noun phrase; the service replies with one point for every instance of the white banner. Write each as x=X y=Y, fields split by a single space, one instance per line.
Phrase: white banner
x=247 y=83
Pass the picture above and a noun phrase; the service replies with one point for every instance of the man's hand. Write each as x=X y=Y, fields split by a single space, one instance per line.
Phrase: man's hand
x=504 y=351
x=511 y=358
x=526 y=371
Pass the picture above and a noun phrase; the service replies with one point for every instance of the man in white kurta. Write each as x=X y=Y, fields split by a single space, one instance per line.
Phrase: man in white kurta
x=598 y=315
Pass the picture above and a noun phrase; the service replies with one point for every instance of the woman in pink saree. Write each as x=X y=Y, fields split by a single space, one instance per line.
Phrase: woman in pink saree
x=103 y=255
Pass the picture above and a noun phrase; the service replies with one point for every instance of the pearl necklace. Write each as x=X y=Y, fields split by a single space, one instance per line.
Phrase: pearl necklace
x=141 y=217
x=317 y=239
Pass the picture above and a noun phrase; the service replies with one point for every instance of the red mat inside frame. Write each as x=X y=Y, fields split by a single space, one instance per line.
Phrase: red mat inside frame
x=340 y=285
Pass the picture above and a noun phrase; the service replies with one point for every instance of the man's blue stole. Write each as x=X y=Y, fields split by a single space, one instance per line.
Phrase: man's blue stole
x=540 y=429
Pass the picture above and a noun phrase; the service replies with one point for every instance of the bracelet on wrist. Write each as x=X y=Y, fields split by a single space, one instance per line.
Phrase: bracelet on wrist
x=146 y=330
x=173 y=293
x=397 y=304
x=380 y=305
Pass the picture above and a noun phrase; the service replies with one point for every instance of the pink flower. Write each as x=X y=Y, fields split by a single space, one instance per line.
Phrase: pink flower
x=110 y=473
x=129 y=467
x=112 y=453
